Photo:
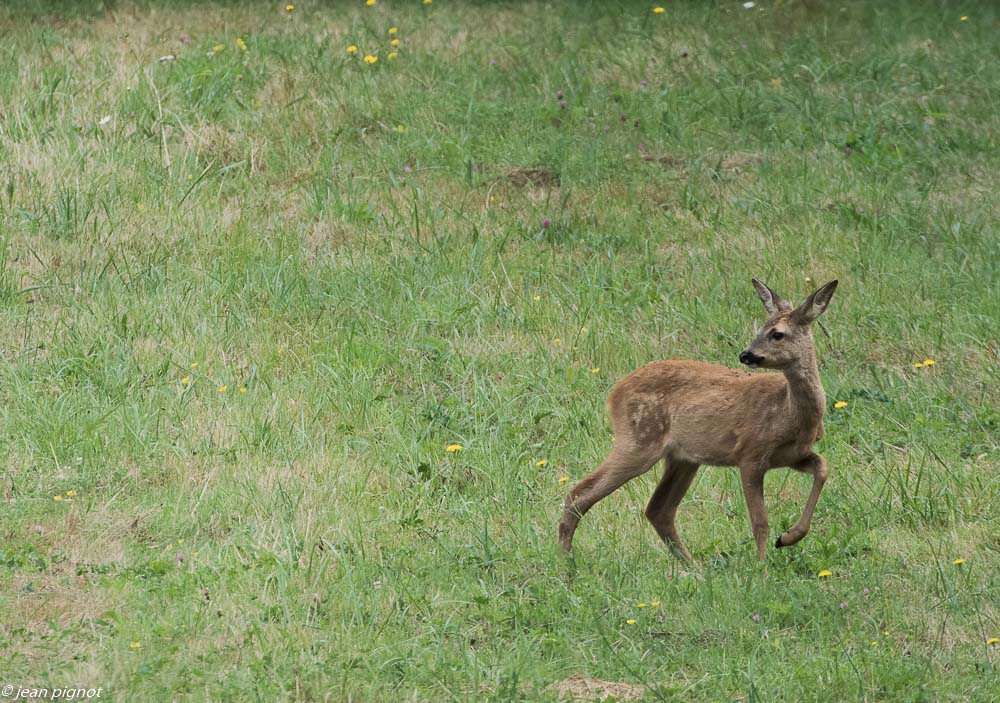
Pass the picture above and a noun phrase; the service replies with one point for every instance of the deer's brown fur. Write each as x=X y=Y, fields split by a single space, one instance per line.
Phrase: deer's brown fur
x=690 y=413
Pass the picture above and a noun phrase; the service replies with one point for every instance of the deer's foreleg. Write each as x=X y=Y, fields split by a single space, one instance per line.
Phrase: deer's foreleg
x=816 y=465
x=752 y=478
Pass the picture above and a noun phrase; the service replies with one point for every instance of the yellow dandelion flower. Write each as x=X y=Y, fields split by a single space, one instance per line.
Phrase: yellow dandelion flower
x=563 y=479
x=243 y=389
x=428 y=2
x=352 y=49
x=180 y=541
x=394 y=42
x=370 y=3
x=135 y=645
x=215 y=50
x=965 y=18
x=929 y=362
x=391 y=55
x=56 y=497
x=630 y=621
x=557 y=341
x=194 y=365
x=958 y=562
x=541 y=462
x=393 y=30
x=658 y=10
x=537 y=298
x=289 y=8
x=596 y=369
x=371 y=60
x=240 y=43
x=874 y=643
x=223 y=389
x=70 y=494
x=454 y=448
x=194 y=554
x=642 y=605
x=993 y=640
x=655 y=604
x=840 y=404
x=824 y=573
x=186 y=380
x=918 y=365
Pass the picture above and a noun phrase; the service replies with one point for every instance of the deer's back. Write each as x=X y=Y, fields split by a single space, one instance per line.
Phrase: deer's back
x=698 y=411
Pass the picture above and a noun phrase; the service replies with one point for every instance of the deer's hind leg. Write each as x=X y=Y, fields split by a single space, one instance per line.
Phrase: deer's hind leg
x=622 y=464
x=662 y=508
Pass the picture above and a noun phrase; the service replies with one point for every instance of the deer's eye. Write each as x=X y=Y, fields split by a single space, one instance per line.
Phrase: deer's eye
x=777 y=335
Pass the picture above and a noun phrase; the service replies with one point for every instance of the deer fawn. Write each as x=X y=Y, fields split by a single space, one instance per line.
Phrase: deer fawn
x=690 y=413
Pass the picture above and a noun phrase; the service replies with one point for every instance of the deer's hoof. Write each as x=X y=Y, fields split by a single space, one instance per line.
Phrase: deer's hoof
x=778 y=543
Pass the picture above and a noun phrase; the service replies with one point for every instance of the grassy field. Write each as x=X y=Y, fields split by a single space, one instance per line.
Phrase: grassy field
x=250 y=294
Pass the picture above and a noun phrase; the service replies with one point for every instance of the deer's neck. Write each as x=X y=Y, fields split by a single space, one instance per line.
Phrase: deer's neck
x=805 y=390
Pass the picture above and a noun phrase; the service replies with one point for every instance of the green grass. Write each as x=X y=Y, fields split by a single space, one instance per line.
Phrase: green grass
x=345 y=242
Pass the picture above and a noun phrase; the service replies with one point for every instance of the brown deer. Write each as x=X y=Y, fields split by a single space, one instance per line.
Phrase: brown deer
x=690 y=413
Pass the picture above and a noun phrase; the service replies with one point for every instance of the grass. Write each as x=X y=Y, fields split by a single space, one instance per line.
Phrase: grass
x=364 y=250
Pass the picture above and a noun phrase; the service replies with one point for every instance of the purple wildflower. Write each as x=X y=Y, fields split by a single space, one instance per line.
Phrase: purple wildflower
x=843 y=604
x=546 y=222
x=180 y=557
x=755 y=617
x=406 y=169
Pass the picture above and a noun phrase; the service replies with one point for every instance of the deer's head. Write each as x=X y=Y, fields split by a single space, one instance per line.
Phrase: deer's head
x=786 y=337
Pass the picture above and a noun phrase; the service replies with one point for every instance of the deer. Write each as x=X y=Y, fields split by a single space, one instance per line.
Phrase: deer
x=692 y=413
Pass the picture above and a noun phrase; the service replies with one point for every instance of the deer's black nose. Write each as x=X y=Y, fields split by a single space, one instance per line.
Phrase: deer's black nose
x=746 y=357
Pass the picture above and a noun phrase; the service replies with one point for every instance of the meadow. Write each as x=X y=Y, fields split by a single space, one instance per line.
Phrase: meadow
x=255 y=284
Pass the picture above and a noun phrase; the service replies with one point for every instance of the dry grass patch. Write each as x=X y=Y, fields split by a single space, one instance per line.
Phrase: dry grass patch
x=63 y=598
x=537 y=177
x=584 y=688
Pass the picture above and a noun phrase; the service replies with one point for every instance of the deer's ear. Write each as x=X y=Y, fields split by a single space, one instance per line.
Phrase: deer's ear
x=772 y=301
x=815 y=304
